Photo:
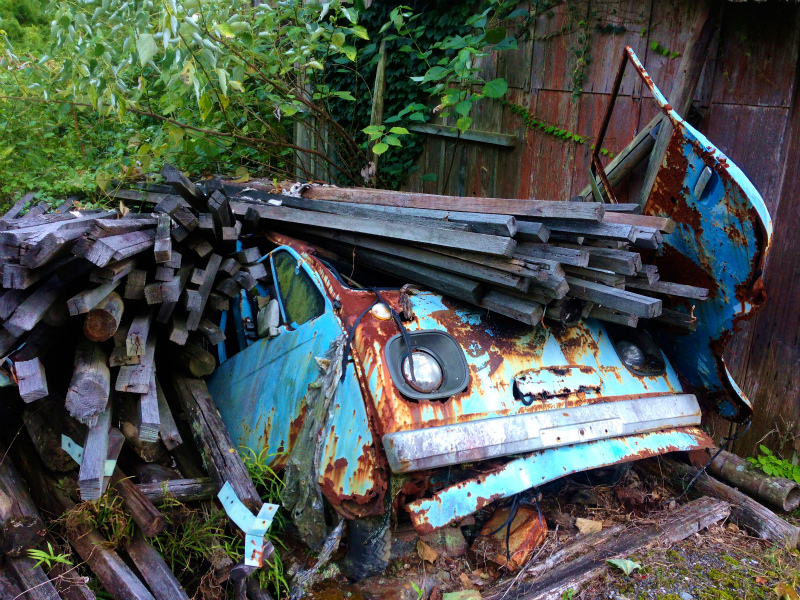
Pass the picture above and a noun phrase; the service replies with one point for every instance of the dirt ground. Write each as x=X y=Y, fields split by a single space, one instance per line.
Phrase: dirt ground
x=722 y=562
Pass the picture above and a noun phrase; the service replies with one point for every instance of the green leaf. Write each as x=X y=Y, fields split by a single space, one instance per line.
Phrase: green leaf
x=624 y=565
x=146 y=47
x=463 y=107
x=494 y=36
x=370 y=129
x=392 y=140
x=520 y=12
x=225 y=30
x=380 y=148
x=344 y=95
x=337 y=39
x=435 y=74
x=510 y=43
x=360 y=31
x=398 y=130
x=429 y=177
x=495 y=88
x=463 y=124
x=349 y=52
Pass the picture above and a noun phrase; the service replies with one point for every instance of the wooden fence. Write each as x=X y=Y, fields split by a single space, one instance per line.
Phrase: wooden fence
x=746 y=102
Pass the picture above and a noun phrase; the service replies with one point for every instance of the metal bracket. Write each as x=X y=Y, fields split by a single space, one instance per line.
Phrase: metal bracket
x=75 y=451
x=254 y=526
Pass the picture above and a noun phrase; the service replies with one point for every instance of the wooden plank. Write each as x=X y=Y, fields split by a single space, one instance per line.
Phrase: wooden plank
x=138 y=378
x=95 y=451
x=178 y=333
x=505 y=140
x=575 y=256
x=435 y=279
x=148 y=419
x=19 y=206
x=210 y=272
x=167 y=427
x=149 y=519
x=51 y=246
x=167 y=308
x=604 y=231
x=218 y=450
x=156 y=573
x=505 y=225
x=433 y=259
x=136 y=338
x=34 y=581
x=119 y=357
x=476 y=242
x=113 y=271
x=246 y=256
x=134 y=285
x=85 y=301
x=520 y=309
x=31 y=310
x=31 y=379
x=605 y=277
x=614 y=298
x=370 y=212
x=529 y=231
x=119 y=247
x=87 y=396
x=575 y=575
x=670 y=289
x=588 y=211
x=609 y=259
x=211 y=331
x=182 y=490
x=663 y=224
x=603 y=313
x=162 y=245
x=745 y=511
x=185 y=188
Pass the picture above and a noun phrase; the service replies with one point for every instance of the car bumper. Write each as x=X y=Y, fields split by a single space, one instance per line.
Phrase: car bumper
x=464 y=498
x=435 y=447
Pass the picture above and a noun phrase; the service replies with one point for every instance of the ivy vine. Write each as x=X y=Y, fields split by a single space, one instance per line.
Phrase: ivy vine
x=533 y=123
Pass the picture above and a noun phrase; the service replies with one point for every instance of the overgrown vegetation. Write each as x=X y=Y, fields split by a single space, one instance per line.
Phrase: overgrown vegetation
x=107 y=515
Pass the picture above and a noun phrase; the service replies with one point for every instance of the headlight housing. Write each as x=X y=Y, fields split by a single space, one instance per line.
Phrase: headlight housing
x=427 y=372
x=637 y=351
x=440 y=367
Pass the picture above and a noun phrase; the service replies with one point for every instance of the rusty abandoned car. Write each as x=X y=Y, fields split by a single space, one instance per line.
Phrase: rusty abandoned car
x=487 y=408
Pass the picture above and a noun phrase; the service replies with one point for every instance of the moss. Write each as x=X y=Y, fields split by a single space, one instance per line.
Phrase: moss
x=668 y=597
x=731 y=561
x=716 y=594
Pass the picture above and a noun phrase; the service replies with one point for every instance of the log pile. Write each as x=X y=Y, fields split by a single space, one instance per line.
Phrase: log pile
x=109 y=322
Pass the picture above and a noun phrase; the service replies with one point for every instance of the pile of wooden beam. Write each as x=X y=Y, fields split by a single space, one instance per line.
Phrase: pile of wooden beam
x=525 y=259
x=109 y=323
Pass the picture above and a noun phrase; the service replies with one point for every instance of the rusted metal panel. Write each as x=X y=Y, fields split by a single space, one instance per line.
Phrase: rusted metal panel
x=761 y=156
x=721 y=239
x=757 y=54
x=457 y=501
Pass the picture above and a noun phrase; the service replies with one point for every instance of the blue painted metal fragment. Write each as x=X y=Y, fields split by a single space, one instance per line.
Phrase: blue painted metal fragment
x=464 y=498
x=255 y=527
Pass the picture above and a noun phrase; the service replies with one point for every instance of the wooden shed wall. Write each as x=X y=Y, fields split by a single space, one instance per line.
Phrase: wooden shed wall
x=748 y=99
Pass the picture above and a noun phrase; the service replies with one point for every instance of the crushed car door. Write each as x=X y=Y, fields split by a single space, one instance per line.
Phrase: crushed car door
x=721 y=236
x=259 y=391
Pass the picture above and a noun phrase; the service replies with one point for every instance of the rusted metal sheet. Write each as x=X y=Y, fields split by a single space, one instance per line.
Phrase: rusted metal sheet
x=720 y=242
x=464 y=498
x=511 y=544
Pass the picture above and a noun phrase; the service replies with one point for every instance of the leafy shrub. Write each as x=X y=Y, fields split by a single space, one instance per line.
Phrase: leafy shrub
x=774 y=466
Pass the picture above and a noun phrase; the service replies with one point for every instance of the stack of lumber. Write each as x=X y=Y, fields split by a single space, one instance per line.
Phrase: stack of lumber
x=109 y=323
x=524 y=259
